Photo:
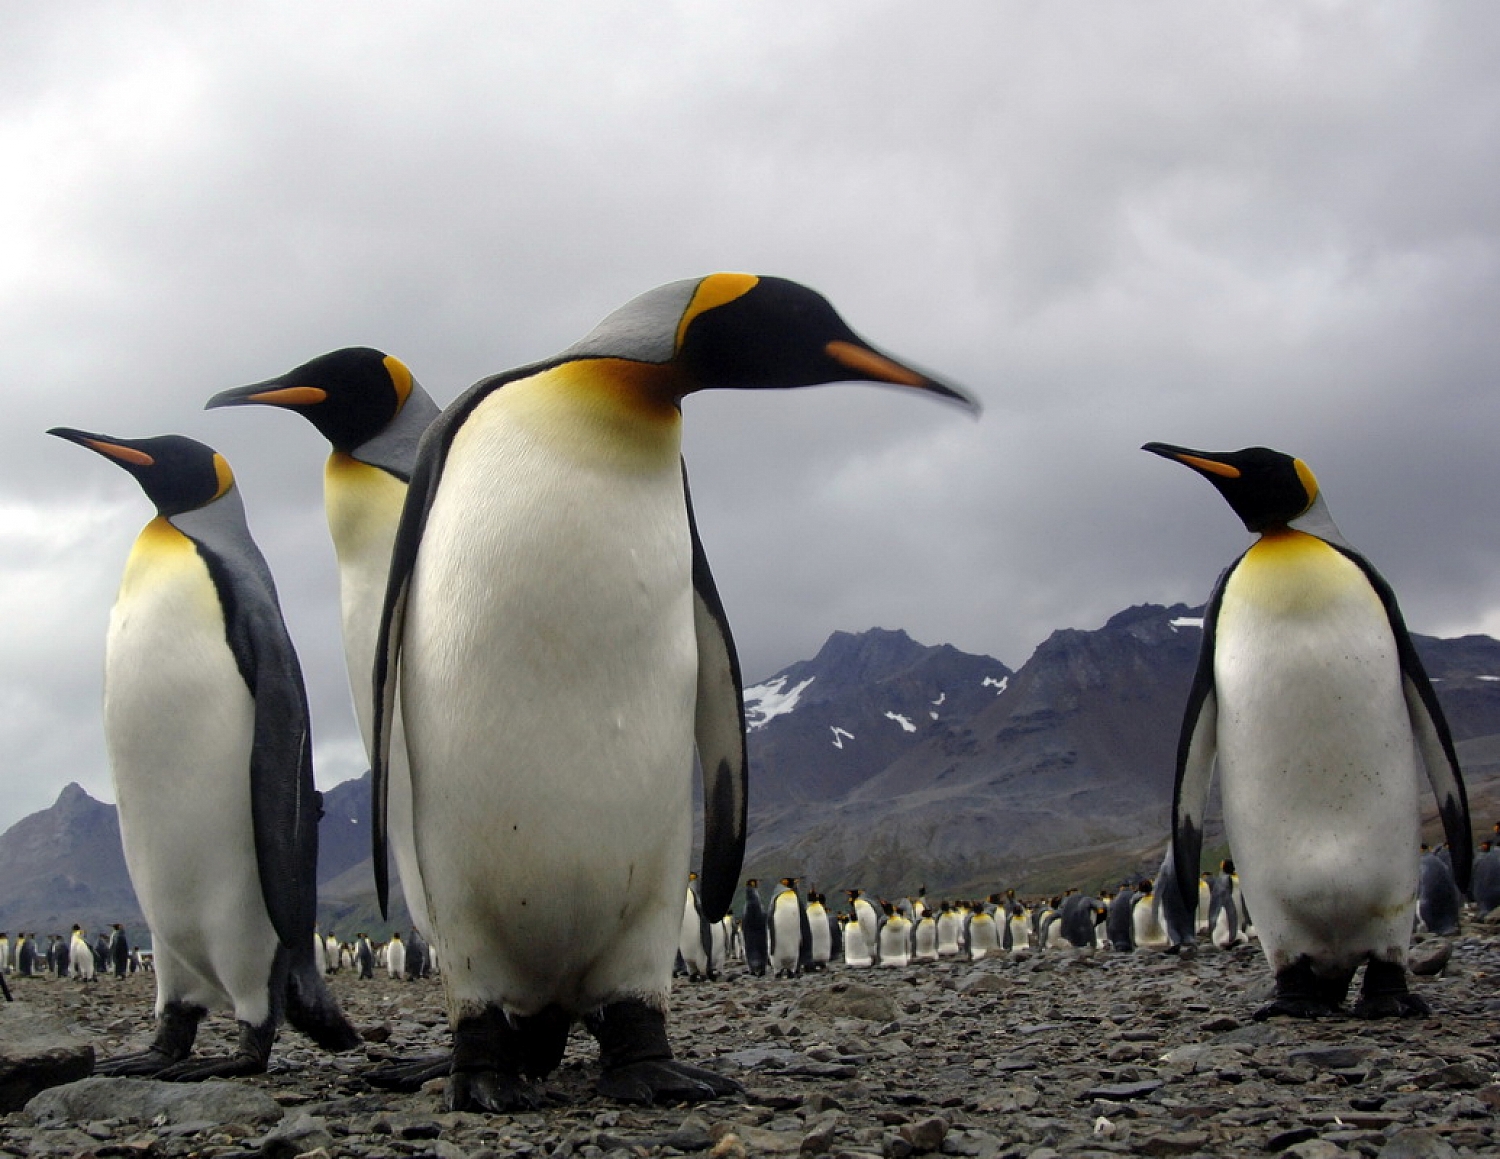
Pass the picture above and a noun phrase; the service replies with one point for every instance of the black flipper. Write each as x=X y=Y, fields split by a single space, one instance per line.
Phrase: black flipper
x=285 y=805
x=1430 y=727
x=1197 y=747
x=720 y=732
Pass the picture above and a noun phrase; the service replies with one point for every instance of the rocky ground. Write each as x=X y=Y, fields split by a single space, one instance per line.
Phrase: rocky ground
x=1072 y=1053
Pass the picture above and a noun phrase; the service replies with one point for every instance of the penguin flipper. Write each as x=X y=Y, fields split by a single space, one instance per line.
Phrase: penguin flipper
x=1430 y=728
x=719 y=728
x=1196 y=749
x=285 y=806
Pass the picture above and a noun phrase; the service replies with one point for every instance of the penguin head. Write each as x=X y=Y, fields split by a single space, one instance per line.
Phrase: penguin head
x=747 y=332
x=350 y=395
x=177 y=474
x=1267 y=489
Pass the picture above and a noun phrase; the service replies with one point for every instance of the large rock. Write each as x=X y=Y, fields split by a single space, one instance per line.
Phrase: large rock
x=147 y=1100
x=37 y=1052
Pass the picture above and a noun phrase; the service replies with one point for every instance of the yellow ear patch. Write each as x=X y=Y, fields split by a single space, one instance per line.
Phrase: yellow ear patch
x=124 y=454
x=714 y=290
x=291 y=396
x=1309 y=480
x=225 y=475
x=1212 y=466
x=400 y=379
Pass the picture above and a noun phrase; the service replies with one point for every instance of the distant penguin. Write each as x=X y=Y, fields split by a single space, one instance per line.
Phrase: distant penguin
x=395 y=958
x=364 y=955
x=25 y=955
x=1119 y=922
x=1312 y=703
x=333 y=953
x=857 y=950
x=789 y=932
x=895 y=937
x=1485 y=879
x=546 y=564
x=206 y=725
x=753 y=930
x=417 y=963
x=1438 y=900
x=820 y=936
x=1178 y=918
x=1078 y=920
x=982 y=934
x=1145 y=918
x=119 y=950
x=5 y=964
x=1018 y=934
x=868 y=917
x=372 y=411
x=924 y=937
x=950 y=931
x=80 y=957
x=696 y=940
x=1224 y=913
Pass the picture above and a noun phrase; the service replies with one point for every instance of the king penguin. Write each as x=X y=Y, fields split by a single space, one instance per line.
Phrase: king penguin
x=1311 y=699
x=546 y=564
x=372 y=411
x=206 y=725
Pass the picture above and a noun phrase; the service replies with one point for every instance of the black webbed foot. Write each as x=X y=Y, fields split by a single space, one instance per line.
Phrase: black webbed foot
x=495 y=1056
x=1300 y=993
x=664 y=1080
x=176 y=1031
x=1384 y=994
x=636 y=1059
x=406 y=1075
x=252 y=1056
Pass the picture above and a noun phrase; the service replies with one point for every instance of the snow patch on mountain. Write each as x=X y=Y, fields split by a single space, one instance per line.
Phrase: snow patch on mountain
x=904 y=722
x=765 y=702
x=998 y=685
x=840 y=735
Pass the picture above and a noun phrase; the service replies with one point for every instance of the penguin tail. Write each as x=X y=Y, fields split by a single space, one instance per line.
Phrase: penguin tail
x=312 y=1009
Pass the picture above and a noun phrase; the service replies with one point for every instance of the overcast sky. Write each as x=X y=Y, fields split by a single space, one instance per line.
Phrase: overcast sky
x=1209 y=224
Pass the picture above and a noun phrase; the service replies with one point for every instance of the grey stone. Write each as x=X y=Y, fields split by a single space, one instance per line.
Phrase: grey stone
x=1429 y=958
x=851 y=1001
x=146 y=1100
x=37 y=1052
x=1417 y=1143
x=299 y=1136
x=1331 y=1057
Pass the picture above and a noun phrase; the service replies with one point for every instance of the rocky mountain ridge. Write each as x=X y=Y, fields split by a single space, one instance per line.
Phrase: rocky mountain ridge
x=880 y=762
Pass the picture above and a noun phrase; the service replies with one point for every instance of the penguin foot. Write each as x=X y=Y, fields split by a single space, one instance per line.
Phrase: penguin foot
x=636 y=1059
x=493 y=1092
x=252 y=1056
x=664 y=1080
x=407 y=1075
x=1294 y=1008
x=196 y=1070
x=176 y=1031
x=1300 y=993
x=1384 y=994
x=145 y=1064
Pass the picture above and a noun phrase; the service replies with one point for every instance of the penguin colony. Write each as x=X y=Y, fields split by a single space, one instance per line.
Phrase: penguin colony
x=511 y=569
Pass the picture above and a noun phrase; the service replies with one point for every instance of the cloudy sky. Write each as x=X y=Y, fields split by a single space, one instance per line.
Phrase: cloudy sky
x=1210 y=224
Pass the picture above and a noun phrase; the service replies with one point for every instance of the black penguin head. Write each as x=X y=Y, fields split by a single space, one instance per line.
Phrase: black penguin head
x=1266 y=488
x=177 y=474
x=747 y=332
x=350 y=395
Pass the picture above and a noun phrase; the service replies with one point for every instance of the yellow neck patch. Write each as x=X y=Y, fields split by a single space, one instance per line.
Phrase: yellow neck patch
x=400 y=379
x=225 y=475
x=713 y=291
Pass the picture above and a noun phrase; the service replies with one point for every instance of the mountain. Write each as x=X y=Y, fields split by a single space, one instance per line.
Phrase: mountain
x=881 y=763
x=66 y=864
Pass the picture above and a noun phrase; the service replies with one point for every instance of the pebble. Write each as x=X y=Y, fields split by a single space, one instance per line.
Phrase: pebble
x=1069 y=1055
